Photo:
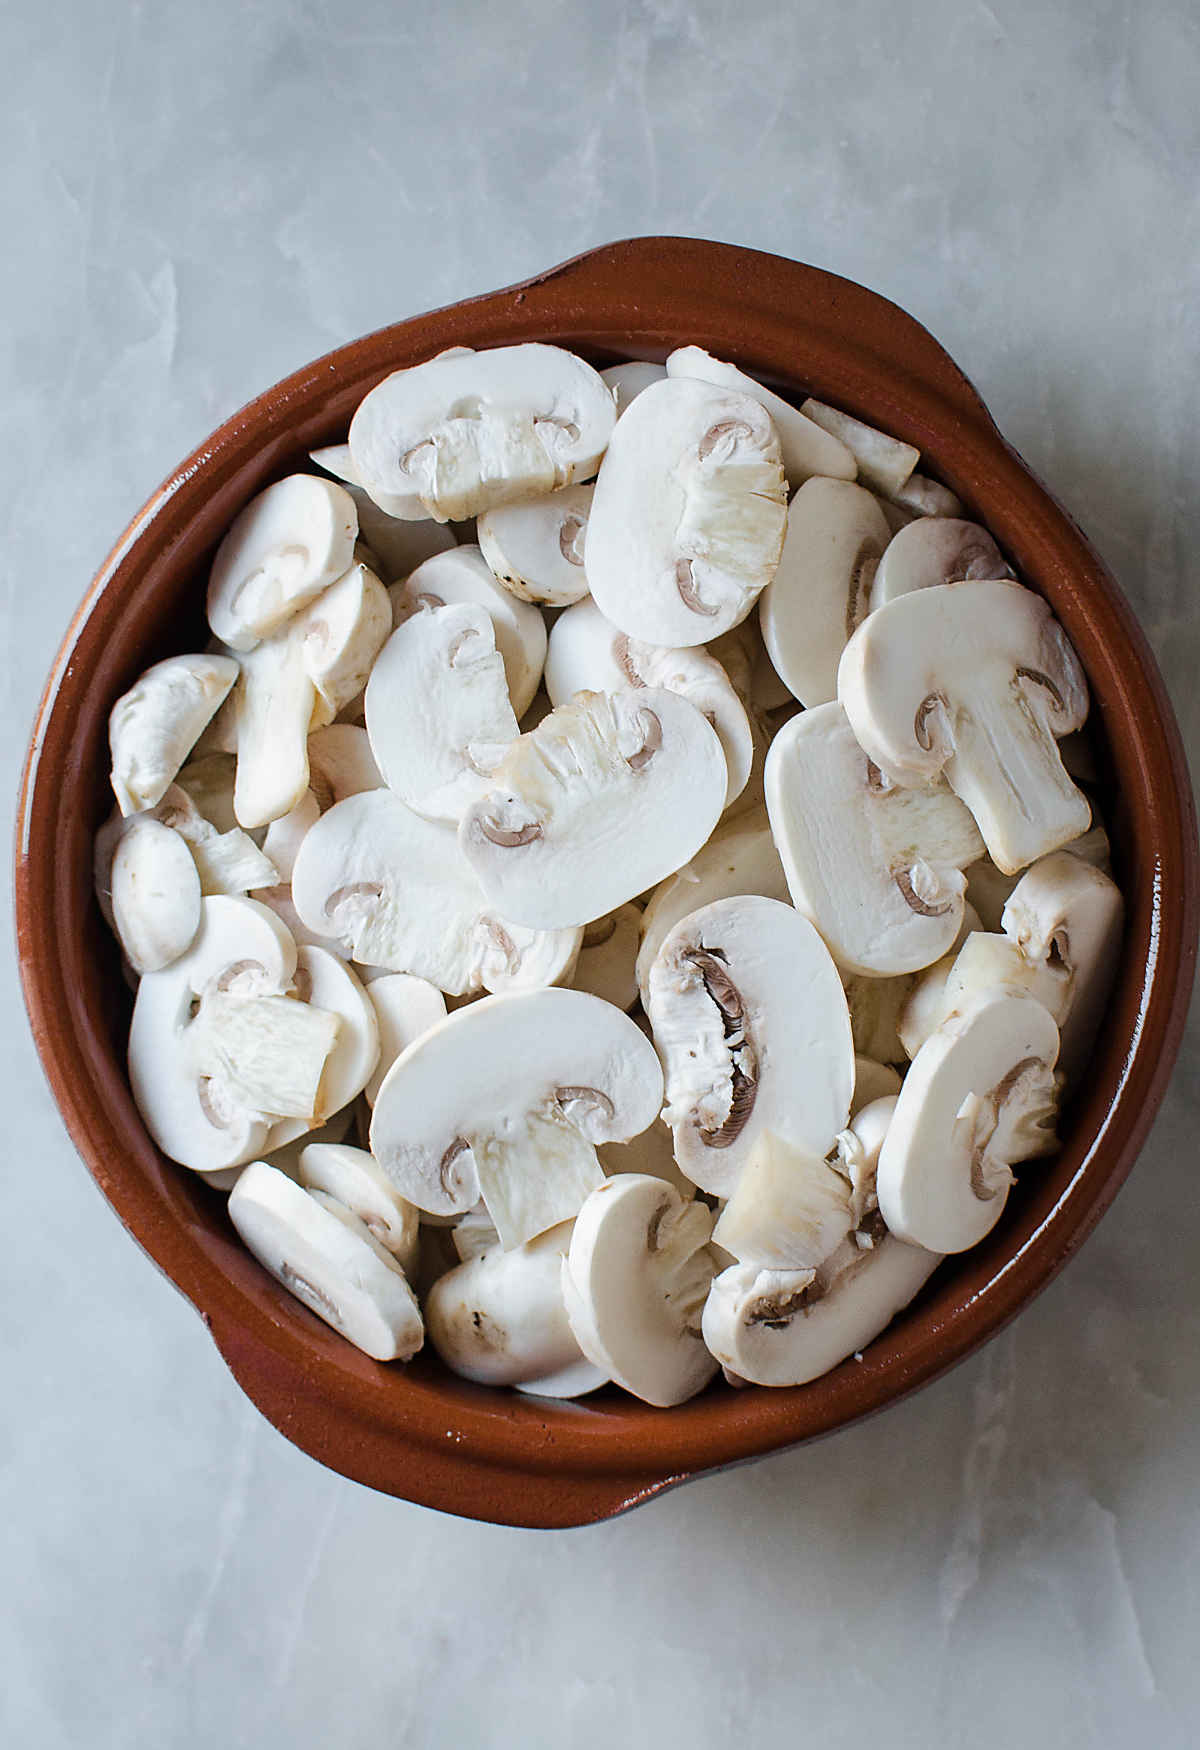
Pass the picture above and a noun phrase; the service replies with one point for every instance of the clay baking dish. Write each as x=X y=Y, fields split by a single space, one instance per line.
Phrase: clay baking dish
x=418 y=1432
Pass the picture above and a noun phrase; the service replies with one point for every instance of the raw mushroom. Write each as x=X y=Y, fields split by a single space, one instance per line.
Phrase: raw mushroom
x=608 y=956
x=857 y=1159
x=789 y=1210
x=397 y=892
x=438 y=712
x=751 y=1022
x=628 y=380
x=405 y=1007
x=287 y=546
x=981 y=1095
x=807 y=448
x=499 y=1319
x=353 y=1176
x=154 y=726
x=324 y=980
x=787 y=1327
x=465 y=576
x=988 y=889
x=587 y=653
x=877 y=868
x=156 y=904
x=535 y=548
x=607 y=796
x=326 y=1258
x=229 y=862
x=507 y=1099
x=340 y=763
x=974 y=680
x=634 y=1283
x=823 y=587
x=464 y=432
x=688 y=514
x=399 y=546
x=927 y=498
x=884 y=463
x=936 y=550
x=474 y=1233
x=283 y=838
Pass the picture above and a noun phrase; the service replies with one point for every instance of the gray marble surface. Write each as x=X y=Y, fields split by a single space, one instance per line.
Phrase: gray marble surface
x=195 y=199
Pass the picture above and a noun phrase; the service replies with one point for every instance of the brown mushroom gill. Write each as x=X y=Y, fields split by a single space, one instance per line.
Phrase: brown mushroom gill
x=710 y=964
x=306 y=1291
x=508 y=838
x=903 y=880
x=571 y=529
x=651 y=728
x=689 y=594
x=992 y=1103
x=862 y=576
x=776 y=1311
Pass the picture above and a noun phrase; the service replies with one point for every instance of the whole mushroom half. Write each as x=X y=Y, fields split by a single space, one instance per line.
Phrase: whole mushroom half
x=535 y=548
x=154 y=726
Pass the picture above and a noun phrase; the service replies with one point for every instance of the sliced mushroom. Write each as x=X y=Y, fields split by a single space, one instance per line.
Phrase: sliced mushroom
x=340 y=763
x=923 y=497
x=876 y=867
x=465 y=576
x=283 y=838
x=287 y=546
x=634 y=1283
x=688 y=513
x=326 y=1258
x=807 y=448
x=857 y=1159
x=980 y=1097
x=154 y=726
x=474 y=1233
x=535 y=548
x=628 y=380
x=397 y=892
x=353 y=1177
x=438 y=712
x=974 y=680
x=228 y=862
x=588 y=653
x=936 y=550
x=156 y=904
x=607 y=796
x=789 y=1210
x=464 y=432
x=325 y=981
x=822 y=589
x=787 y=1327
x=884 y=463
x=499 y=1318
x=751 y=1022
x=398 y=546
x=405 y=1008
x=507 y=1099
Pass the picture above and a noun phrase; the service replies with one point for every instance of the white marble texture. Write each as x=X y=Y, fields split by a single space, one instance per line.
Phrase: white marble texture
x=194 y=200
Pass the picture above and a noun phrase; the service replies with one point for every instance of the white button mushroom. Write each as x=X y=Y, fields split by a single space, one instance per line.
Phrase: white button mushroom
x=354 y=1178
x=463 y=432
x=327 y=983
x=876 y=867
x=228 y=862
x=507 y=1099
x=688 y=514
x=884 y=463
x=405 y=1007
x=155 y=895
x=284 y=836
x=340 y=763
x=535 y=548
x=326 y=1258
x=822 y=590
x=398 y=545
x=607 y=796
x=922 y=497
x=154 y=726
x=974 y=680
x=465 y=576
x=981 y=1095
x=807 y=448
x=628 y=380
x=289 y=543
x=751 y=1022
x=789 y=1210
x=857 y=1159
x=608 y=956
x=936 y=550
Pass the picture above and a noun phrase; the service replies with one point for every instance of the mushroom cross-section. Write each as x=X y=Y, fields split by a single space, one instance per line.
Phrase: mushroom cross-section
x=399 y=545
x=807 y=448
x=936 y=550
x=155 y=893
x=535 y=548
x=507 y=1099
x=464 y=575
x=286 y=546
x=154 y=726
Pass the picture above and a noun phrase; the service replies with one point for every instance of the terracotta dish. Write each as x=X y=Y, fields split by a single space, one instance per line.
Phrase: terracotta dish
x=419 y=1432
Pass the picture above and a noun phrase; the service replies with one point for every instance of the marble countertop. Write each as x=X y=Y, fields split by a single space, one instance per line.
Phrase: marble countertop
x=197 y=199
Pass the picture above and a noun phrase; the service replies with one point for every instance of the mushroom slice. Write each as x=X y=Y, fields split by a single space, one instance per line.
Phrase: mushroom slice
x=465 y=576
x=872 y=1081
x=286 y=546
x=884 y=463
x=535 y=548
x=876 y=867
x=507 y=1099
x=751 y=1022
x=975 y=680
x=438 y=712
x=353 y=1177
x=399 y=546
x=822 y=590
x=787 y=1327
x=605 y=797
x=499 y=1318
x=788 y=1211
x=395 y=890
x=405 y=1007
x=588 y=653
x=327 y=983
x=857 y=1158
x=323 y=1255
x=936 y=550
x=981 y=1096
x=464 y=432
x=155 y=895
x=739 y=858
x=634 y=1282
x=628 y=380
x=154 y=726
x=283 y=838
x=688 y=513
x=608 y=956
x=922 y=497
x=340 y=763
x=228 y=862
x=474 y=1233
x=807 y=448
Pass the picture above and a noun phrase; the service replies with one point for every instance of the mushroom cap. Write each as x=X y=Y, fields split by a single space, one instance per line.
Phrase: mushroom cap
x=807 y=448
x=353 y=1176
x=288 y=544
x=981 y=1095
x=405 y=1007
x=634 y=1282
x=154 y=726
x=688 y=514
x=468 y=430
x=535 y=548
x=750 y=1018
x=628 y=380
x=156 y=903
x=464 y=575
x=936 y=550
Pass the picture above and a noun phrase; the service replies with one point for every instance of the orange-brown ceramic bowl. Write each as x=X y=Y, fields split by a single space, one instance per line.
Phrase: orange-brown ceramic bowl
x=417 y=1431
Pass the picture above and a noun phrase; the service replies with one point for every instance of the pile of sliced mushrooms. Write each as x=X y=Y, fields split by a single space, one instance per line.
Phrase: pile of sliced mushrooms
x=616 y=893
